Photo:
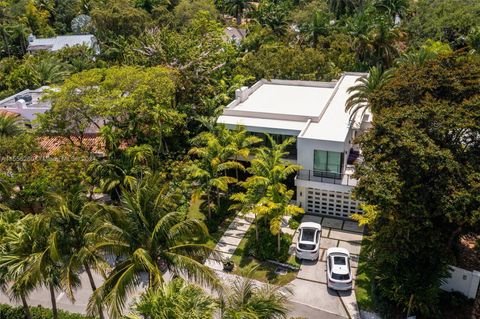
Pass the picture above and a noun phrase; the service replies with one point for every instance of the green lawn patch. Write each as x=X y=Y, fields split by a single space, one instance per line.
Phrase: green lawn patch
x=363 y=284
x=259 y=270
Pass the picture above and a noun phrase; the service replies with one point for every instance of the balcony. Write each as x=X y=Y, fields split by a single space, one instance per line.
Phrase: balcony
x=344 y=179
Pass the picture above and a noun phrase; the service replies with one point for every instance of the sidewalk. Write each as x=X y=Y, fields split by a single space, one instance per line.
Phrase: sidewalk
x=227 y=245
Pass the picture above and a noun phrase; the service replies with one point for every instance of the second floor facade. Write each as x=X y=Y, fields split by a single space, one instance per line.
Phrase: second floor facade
x=314 y=114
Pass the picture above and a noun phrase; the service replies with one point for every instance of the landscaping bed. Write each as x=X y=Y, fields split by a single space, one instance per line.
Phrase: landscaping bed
x=251 y=258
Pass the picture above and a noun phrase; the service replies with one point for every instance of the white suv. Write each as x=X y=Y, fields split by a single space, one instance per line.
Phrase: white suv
x=339 y=273
x=308 y=245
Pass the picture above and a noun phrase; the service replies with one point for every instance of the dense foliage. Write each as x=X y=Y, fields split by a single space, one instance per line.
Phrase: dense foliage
x=421 y=177
x=153 y=94
x=37 y=313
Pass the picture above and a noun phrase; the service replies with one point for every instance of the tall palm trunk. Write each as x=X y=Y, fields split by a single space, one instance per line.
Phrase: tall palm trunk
x=94 y=287
x=279 y=236
x=54 y=301
x=26 y=309
x=208 y=206
x=256 y=228
x=239 y=16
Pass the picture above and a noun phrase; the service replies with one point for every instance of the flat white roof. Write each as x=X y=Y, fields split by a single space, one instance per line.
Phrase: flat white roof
x=259 y=124
x=287 y=100
x=310 y=110
x=61 y=41
x=334 y=124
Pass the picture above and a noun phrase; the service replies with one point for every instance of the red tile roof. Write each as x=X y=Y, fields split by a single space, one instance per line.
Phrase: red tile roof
x=92 y=143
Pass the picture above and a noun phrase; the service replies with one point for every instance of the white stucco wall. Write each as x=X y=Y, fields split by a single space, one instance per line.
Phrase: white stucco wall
x=463 y=281
x=306 y=147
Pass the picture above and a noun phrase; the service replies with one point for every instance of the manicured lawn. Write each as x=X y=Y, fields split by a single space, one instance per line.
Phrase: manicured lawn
x=258 y=270
x=363 y=285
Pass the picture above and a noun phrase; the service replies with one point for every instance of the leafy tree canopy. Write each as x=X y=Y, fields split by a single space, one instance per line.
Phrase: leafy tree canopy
x=421 y=174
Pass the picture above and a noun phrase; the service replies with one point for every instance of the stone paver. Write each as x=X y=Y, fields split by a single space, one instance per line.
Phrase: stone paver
x=225 y=248
x=312 y=218
x=214 y=264
x=230 y=240
x=295 y=238
x=234 y=233
x=288 y=230
x=354 y=260
x=328 y=243
x=352 y=226
x=239 y=225
x=345 y=235
x=325 y=231
x=353 y=248
x=332 y=222
x=313 y=271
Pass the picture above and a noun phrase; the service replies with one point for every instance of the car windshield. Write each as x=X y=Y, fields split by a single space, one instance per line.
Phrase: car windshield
x=342 y=261
x=340 y=277
x=308 y=234
x=306 y=246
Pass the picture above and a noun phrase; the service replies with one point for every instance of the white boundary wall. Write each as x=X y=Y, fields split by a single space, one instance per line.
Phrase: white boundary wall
x=463 y=281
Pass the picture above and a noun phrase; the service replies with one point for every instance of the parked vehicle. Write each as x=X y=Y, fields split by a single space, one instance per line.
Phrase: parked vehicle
x=339 y=272
x=308 y=245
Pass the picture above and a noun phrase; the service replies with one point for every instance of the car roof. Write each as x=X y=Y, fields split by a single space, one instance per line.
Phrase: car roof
x=340 y=269
x=337 y=250
x=310 y=225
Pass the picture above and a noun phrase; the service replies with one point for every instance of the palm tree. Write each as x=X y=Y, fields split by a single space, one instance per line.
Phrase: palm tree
x=416 y=58
x=10 y=228
x=276 y=205
x=243 y=143
x=247 y=300
x=150 y=237
x=237 y=8
x=342 y=7
x=265 y=192
x=360 y=99
x=176 y=299
x=48 y=70
x=393 y=8
x=26 y=260
x=10 y=124
x=73 y=221
x=211 y=168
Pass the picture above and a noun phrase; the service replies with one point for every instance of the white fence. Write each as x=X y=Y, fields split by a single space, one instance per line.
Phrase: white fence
x=462 y=281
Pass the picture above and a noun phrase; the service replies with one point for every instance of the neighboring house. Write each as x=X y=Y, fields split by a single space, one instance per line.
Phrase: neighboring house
x=235 y=35
x=26 y=103
x=62 y=41
x=314 y=114
x=93 y=144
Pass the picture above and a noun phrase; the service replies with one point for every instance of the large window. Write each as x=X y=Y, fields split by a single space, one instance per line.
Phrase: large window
x=327 y=163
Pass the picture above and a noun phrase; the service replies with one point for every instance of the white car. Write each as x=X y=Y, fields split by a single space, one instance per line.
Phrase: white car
x=339 y=273
x=308 y=245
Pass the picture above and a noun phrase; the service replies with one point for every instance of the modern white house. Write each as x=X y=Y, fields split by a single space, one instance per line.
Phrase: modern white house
x=27 y=103
x=62 y=41
x=314 y=113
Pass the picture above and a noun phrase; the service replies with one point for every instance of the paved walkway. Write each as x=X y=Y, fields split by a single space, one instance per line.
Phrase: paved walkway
x=227 y=245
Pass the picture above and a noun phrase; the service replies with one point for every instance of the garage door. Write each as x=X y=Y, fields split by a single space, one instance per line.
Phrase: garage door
x=331 y=203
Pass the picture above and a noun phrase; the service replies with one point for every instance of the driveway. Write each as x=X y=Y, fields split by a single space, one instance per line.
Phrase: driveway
x=310 y=286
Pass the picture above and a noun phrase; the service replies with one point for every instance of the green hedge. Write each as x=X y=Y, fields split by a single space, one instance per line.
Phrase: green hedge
x=9 y=312
x=266 y=247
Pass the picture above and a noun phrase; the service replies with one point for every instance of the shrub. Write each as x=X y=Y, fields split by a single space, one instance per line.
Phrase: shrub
x=266 y=247
x=9 y=312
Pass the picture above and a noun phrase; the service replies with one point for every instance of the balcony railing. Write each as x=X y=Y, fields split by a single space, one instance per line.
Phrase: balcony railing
x=327 y=177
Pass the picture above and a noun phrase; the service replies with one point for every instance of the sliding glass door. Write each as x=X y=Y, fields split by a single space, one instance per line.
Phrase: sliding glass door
x=328 y=164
